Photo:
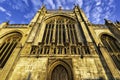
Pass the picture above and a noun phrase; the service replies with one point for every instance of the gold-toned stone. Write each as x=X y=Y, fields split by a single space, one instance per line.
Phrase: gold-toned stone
x=59 y=45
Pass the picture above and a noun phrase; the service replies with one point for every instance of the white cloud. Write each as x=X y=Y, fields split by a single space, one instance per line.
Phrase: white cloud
x=67 y=8
x=12 y=22
x=79 y=2
x=16 y=7
x=98 y=2
x=110 y=2
x=26 y=2
x=8 y=14
x=21 y=5
x=29 y=15
x=99 y=10
x=58 y=3
x=87 y=10
x=64 y=1
x=5 y=11
x=1 y=1
x=36 y=4
x=96 y=15
x=50 y=3
x=95 y=10
x=69 y=0
x=2 y=9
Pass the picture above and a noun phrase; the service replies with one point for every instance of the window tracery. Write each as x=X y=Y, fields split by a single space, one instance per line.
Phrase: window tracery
x=113 y=47
x=7 y=47
x=60 y=34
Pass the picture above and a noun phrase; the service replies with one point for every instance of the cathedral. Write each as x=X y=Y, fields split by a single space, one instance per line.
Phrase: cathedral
x=60 y=45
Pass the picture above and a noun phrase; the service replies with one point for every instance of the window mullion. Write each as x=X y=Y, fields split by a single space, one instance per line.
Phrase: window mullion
x=50 y=32
x=54 y=32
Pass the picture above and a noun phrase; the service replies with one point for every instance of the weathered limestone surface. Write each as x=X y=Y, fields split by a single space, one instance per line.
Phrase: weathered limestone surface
x=65 y=41
x=88 y=68
x=29 y=69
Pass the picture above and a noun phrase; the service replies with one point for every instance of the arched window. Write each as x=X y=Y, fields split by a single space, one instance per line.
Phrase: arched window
x=60 y=30
x=113 y=47
x=8 y=46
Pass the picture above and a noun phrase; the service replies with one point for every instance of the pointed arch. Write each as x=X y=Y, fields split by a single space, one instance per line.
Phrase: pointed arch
x=58 y=31
x=62 y=15
x=56 y=70
x=11 y=32
x=8 y=45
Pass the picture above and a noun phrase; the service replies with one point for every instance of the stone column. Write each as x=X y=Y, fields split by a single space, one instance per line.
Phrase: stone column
x=36 y=23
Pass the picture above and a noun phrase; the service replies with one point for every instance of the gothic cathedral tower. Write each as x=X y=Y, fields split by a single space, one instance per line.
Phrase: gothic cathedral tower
x=60 y=45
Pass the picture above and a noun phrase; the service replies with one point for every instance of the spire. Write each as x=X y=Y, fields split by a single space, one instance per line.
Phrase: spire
x=43 y=6
x=43 y=9
x=107 y=21
x=76 y=6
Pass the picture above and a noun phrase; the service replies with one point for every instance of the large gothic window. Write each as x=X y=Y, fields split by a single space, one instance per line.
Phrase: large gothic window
x=113 y=47
x=60 y=35
x=8 y=46
x=60 y=30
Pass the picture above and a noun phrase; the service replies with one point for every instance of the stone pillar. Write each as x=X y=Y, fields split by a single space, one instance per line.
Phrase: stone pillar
x=36 y=23
x=82 y=24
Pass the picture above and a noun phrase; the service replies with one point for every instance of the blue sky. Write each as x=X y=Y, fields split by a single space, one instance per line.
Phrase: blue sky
x=22 y=11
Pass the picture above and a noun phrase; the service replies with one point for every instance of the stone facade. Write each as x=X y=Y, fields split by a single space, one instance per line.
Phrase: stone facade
x=88 y=68
x=60 y=45
x=36 y=67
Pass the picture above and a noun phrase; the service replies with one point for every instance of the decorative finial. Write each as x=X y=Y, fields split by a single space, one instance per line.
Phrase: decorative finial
x=107 y=21
x=43 y=5
x=117 y=22
x=8 y=21
x=75 y=4
x=60 y=7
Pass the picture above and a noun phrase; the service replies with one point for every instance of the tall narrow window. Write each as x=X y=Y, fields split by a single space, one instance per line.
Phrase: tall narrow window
x=8 y=46
x=112 y=46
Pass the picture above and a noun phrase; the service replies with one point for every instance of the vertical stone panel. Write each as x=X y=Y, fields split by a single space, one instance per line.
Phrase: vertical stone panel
x=30 y=68
x=41 y=33
x=86 y=68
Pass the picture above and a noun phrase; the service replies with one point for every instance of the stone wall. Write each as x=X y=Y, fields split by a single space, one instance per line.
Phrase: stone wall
x=88 y=68
x=29 y=69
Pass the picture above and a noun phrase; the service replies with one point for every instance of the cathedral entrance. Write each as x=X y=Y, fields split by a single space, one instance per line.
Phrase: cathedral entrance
x=60 y=70
x=60 y=73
